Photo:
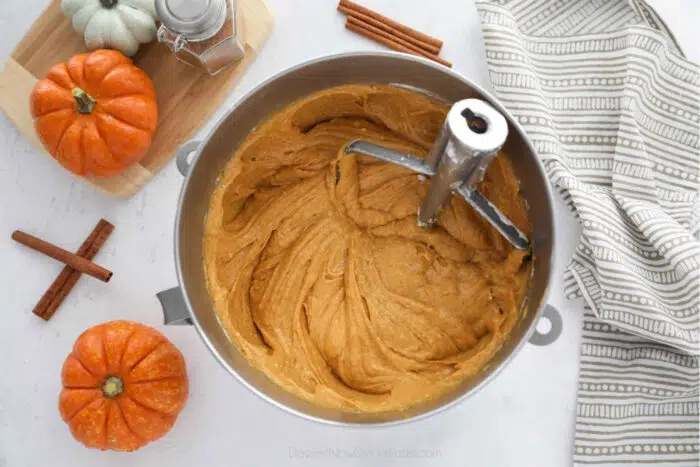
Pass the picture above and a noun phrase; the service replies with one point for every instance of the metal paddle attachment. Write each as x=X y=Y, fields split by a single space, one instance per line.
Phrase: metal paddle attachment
x=470 y=138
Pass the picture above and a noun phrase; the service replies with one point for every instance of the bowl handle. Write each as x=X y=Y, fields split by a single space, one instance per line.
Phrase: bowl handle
x=175 y=312
x=182 y=156
x=174 y=306
x=552 y=315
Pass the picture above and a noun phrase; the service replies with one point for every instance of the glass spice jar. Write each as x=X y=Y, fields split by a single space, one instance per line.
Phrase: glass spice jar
x=201 y=32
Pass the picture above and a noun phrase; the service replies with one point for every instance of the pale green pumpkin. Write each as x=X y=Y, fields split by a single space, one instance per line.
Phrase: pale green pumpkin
x=113 y=24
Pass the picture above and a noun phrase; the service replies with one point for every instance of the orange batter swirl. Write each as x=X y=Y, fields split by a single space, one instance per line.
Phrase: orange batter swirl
x=321 y=277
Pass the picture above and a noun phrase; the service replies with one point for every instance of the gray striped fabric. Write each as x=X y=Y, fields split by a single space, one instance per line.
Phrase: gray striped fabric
x=637 y=401
x=611 y=106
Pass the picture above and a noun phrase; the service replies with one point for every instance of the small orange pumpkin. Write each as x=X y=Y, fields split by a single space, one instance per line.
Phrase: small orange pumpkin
x=95 y=114
x=124 y=385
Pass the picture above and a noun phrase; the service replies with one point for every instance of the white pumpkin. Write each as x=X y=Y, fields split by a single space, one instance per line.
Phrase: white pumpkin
x=113 y=24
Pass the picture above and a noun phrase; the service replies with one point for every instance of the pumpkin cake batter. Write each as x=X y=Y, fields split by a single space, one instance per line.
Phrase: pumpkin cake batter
x=320 y=275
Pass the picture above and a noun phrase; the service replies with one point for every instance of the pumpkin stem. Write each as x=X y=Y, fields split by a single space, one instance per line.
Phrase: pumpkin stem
x=86 y=104
x=109 y=3
x=113 y=386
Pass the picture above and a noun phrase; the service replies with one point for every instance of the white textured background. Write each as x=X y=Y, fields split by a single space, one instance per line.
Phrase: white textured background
x=524 y=418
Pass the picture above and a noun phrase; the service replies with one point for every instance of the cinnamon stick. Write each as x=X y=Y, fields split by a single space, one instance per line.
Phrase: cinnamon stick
x=347 y=4
x=64 y=256
x=359 y=27
x=66 y=280
x=431 y=48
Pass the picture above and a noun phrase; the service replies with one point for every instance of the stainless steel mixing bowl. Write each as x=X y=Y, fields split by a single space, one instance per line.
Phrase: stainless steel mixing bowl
x=191 y=300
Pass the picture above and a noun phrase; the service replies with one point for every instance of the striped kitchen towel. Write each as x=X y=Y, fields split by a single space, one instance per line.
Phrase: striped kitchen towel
x=611 y=106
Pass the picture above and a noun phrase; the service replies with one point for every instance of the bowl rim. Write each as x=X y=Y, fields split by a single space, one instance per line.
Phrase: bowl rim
x=347 y=423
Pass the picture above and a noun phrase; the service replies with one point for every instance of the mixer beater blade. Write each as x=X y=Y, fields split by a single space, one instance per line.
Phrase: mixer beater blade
x=470 y=138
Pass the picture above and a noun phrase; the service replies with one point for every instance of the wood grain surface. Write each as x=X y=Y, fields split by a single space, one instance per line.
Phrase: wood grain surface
x=187 y=96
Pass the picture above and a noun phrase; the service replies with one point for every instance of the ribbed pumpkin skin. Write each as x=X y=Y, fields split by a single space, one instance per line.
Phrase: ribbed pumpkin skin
x=104 y=414
x=95 y=114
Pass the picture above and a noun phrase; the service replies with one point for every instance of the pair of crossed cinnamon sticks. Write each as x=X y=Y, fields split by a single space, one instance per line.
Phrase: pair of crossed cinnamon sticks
x=390 y=33
x=76 y=264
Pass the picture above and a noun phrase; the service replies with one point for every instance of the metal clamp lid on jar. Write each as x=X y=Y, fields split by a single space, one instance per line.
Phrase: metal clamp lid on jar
x=192 y=20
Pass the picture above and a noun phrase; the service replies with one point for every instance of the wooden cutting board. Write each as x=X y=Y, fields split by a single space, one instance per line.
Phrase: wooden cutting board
x=187 y=96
